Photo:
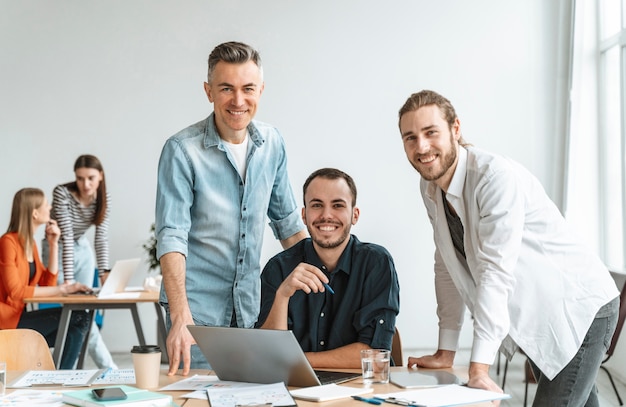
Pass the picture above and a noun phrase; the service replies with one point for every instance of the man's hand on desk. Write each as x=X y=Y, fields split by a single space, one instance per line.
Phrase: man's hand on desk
x=441 y=359
x=179 y=342
x=479 y=379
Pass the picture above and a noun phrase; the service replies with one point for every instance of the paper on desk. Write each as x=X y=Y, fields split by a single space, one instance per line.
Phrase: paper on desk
x=452 y=395
x=274 y=394
x=328 y=392
x=56 y=378
x=30 y=398
x=200 y=383
x=195 y=382
x=116 y=376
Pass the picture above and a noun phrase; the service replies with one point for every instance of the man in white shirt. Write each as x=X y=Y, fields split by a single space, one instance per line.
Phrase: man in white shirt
x=504 y=251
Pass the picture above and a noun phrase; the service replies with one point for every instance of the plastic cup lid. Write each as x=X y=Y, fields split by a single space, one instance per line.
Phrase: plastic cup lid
x=145 y=349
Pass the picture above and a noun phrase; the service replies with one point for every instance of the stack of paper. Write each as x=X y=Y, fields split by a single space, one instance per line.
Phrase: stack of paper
x=452 y=395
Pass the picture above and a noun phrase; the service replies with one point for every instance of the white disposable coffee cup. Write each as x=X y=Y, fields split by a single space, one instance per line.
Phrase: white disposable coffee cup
x=147 y=364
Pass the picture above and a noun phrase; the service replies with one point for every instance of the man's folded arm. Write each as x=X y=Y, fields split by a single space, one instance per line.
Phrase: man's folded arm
x=344 y=357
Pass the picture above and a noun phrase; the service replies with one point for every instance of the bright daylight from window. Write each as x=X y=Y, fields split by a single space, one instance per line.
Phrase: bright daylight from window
x=612 y=93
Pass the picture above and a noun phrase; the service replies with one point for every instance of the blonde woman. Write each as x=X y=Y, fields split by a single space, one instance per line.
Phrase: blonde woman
x=23 y=275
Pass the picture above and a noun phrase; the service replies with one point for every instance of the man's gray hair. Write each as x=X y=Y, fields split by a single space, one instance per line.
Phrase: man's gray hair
x=233 y=53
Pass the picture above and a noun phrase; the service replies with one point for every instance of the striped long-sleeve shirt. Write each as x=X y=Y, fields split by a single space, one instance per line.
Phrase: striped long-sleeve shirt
x=74 y=219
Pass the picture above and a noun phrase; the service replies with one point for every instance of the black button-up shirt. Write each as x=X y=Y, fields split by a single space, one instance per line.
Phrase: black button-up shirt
x=363 y=308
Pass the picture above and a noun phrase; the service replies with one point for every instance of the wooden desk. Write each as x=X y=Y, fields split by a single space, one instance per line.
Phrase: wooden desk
x=164 y=380
x=91 y=303
x=349 y=402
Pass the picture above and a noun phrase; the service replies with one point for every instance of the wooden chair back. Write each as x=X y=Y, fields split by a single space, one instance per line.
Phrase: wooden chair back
x=396 y=349
x=25 y=349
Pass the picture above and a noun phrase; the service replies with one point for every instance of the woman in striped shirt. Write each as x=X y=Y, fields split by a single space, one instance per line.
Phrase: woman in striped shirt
x=76 y=206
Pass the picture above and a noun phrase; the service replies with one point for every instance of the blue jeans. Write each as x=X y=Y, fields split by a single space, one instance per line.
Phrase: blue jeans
x=575 y=385
x=46 y=322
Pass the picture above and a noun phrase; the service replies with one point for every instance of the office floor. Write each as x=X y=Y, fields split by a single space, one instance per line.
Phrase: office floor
x=514 y=381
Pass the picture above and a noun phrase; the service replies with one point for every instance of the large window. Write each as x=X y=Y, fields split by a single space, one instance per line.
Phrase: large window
x=595 y=187
x=611 y=124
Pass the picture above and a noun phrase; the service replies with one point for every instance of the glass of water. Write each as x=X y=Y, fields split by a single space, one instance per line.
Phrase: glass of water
x=375 y=365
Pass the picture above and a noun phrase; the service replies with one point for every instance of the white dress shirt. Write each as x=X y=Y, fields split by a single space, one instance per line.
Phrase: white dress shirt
x=531 y=282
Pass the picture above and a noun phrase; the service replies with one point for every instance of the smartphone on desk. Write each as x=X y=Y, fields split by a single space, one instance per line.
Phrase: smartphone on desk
x=109 y=393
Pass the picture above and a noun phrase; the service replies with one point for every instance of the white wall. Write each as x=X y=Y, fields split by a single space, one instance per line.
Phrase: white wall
x=116 y=78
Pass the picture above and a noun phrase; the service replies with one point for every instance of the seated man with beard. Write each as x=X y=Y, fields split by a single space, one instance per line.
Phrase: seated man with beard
x=337 y=294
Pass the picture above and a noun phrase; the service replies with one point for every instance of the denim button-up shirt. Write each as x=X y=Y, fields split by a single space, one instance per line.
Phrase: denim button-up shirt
x=206 y=211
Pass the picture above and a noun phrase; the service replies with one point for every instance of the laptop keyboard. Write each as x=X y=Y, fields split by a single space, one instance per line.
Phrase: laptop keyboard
x=328 y=377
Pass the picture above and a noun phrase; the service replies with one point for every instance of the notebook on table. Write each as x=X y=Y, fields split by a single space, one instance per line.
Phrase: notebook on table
x=134 y=397
x=260 y=356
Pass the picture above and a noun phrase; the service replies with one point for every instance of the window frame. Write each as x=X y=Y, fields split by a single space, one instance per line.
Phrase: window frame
x=604 y=46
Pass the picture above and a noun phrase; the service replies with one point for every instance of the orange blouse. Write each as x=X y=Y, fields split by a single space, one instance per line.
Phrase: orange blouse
x=14 y=284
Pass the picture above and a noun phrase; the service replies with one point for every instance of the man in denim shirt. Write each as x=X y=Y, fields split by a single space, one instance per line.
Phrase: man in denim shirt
x=217 y=181
x=336 y=294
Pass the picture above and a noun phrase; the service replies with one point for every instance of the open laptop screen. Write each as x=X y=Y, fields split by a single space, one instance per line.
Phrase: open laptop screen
x=260 y=356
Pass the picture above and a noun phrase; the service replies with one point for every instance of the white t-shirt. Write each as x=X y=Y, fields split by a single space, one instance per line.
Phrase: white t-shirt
x=239 y=153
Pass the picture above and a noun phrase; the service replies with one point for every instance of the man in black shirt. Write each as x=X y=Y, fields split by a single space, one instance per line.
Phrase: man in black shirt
x=336 y=294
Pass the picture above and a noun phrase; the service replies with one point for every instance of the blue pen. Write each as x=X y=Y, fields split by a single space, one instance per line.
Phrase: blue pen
x=368 y=400
x=325 y=271
x=401 y=402
x=105 y=373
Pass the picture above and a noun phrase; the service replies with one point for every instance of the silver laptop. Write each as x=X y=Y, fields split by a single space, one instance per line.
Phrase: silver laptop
x=118 y=278
x=260 y=356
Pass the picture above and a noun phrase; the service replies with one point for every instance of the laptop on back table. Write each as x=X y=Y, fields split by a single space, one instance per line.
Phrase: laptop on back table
x=260 y=356
x=118 y=278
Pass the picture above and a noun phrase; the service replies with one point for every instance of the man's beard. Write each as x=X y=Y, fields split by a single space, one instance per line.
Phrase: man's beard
x=330 y=244
x=447 y=161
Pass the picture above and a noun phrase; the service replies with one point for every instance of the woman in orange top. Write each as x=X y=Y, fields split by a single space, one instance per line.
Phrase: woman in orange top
x=22 y=275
